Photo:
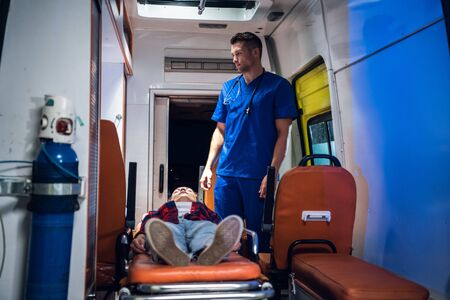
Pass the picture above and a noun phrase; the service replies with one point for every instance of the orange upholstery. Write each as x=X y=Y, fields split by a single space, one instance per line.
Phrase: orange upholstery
x=111 y=194
x=236 y=268
x=341 y=276
x=317 y=188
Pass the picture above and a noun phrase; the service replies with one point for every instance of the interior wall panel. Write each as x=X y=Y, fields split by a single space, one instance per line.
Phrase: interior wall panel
x=301 y=38
x=359 y=28
x=46 y=50
x=391 y=64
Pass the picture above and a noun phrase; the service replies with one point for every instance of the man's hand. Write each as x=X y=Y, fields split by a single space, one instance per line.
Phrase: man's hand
x=205 y=180
x=263 y=188
x=138 y=244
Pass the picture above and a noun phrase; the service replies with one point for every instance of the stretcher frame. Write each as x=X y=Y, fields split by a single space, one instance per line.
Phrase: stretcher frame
x=253 y=289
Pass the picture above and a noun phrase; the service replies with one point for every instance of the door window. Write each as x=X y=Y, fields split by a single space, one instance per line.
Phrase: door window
x=321 y=137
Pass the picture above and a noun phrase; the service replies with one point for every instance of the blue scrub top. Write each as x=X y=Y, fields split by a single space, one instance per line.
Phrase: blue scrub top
x=250 y=138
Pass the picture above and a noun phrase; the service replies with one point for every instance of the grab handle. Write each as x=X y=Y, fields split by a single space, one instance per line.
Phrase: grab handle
x=316 y=215
x=332 y=158
x=161 y=178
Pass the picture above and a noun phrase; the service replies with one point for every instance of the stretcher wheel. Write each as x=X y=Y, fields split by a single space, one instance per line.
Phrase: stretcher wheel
x=124 y=292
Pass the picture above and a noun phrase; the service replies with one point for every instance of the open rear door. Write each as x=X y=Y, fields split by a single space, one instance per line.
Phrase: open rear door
x=160 y=151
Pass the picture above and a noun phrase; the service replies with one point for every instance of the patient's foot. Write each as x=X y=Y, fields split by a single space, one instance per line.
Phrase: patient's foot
x=228 y=234
x=161 y=241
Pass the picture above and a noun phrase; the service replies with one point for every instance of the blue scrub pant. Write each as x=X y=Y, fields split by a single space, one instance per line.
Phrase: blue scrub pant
x=240 y=196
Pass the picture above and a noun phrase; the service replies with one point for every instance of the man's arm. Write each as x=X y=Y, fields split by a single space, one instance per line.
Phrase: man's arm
x=282 y=126
x=214 y=151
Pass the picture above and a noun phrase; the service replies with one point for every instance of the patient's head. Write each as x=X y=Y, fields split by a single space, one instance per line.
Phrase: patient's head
x=183 y=194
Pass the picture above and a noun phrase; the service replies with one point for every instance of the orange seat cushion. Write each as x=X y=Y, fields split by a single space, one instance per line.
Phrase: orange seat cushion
x=340 y=276
x=236 y=268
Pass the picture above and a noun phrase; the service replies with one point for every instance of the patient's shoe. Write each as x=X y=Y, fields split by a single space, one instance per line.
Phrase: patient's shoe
x=228 y=234
x=161 y=241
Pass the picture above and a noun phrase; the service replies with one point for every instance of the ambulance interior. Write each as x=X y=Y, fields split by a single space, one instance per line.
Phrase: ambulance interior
x=359 y=210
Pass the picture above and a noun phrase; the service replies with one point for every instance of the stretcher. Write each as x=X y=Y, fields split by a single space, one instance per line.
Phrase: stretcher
x=311 y=240
x=235 y=278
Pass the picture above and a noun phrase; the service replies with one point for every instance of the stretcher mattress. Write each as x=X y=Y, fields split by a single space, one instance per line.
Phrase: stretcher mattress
x=236 y=268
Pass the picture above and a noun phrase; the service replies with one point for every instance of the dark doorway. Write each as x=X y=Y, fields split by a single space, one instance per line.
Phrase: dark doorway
x=190 y=131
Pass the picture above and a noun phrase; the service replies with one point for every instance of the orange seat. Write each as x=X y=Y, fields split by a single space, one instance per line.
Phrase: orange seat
x=313 y=217
x=340 y=276
x=111 y=204
x=313 y=188
x=236 y=268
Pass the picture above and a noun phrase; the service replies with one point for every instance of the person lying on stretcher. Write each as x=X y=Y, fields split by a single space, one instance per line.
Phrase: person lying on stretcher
x=184 y=230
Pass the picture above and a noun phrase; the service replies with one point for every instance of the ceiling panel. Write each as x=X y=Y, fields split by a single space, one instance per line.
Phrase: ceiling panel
x=259 y=22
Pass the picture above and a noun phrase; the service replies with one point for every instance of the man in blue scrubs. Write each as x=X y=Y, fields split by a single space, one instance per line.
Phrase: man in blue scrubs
x=253 y=116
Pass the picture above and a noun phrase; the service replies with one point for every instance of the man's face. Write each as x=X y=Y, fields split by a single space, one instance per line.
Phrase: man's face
x=243 y=57
x=184 y=194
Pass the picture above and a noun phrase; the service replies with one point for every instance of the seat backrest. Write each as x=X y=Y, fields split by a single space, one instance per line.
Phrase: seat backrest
x=111 y=193
x=313 y=188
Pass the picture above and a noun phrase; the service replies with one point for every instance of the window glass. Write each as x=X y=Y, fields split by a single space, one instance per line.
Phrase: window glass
x=320 y=129
x=319 y=141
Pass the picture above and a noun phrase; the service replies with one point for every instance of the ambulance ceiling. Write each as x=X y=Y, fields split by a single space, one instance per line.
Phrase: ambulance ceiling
x=209 y=16
x=207 y=3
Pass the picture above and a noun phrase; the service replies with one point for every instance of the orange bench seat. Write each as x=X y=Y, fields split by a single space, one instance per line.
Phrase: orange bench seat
x=341 y=276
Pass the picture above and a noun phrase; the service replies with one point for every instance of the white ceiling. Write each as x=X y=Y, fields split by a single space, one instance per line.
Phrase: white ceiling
x=258 y=24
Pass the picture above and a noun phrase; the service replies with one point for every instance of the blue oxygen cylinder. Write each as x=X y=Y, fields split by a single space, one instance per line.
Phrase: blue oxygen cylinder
x=52 y=222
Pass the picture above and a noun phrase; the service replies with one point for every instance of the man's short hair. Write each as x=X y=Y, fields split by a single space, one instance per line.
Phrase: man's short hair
x=250 y=40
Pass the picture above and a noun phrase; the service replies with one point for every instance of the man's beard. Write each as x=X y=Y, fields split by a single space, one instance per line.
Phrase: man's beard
x=243 y=68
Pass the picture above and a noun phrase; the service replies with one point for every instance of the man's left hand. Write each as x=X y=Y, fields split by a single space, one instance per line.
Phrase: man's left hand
x=263 y=188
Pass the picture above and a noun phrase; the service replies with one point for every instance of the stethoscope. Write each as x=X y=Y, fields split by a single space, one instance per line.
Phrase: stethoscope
x=238 y=80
